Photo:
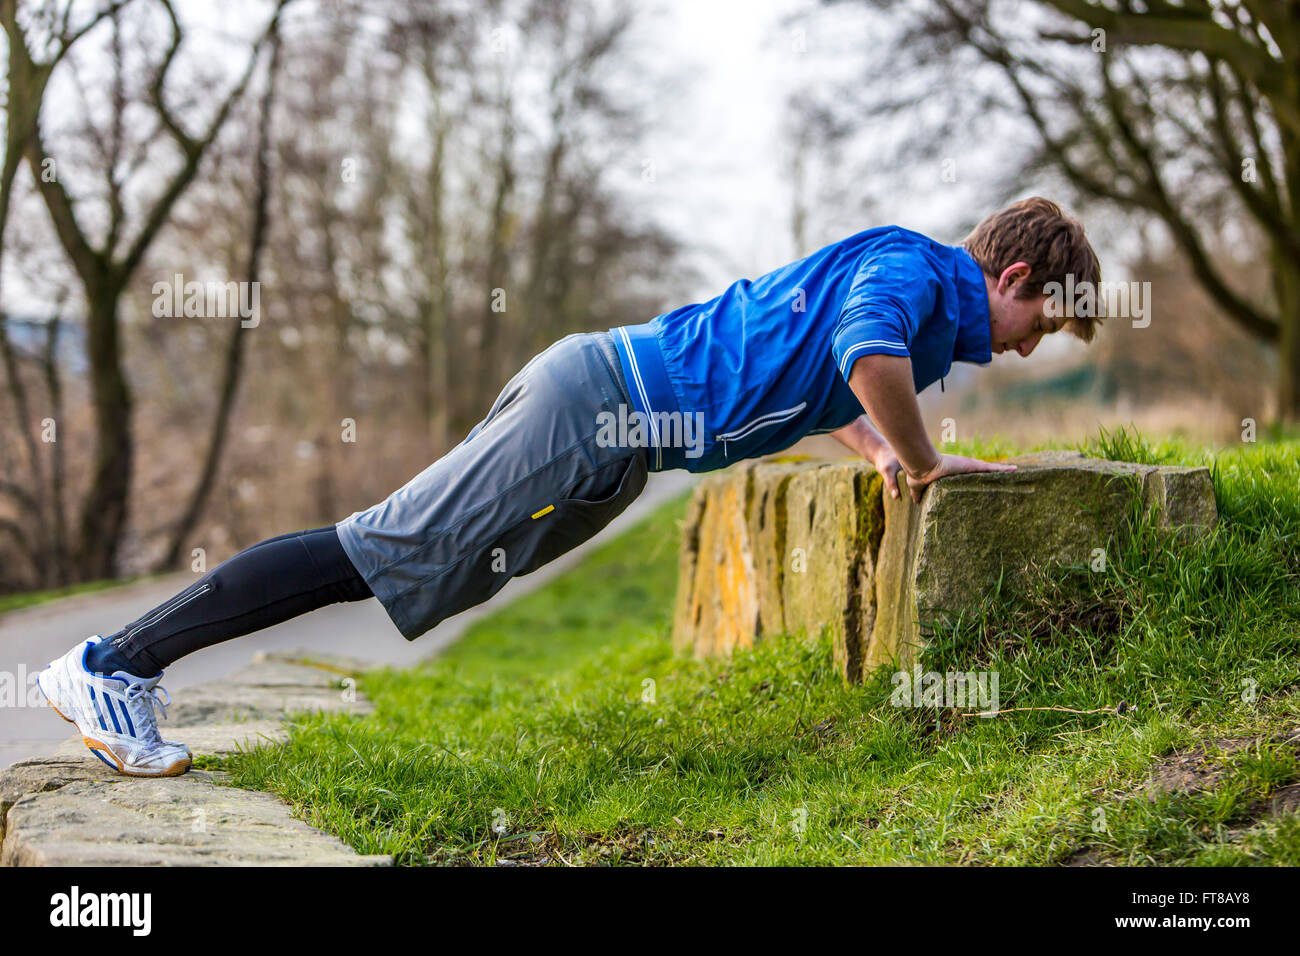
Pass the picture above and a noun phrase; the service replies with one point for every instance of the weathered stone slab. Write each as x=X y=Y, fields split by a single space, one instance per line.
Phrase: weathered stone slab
x=41 y=774
x=769 y=536
x=267 y=688
x=755 y=563
x=895 y=634
x=1056 y=509
x=781 y=548
x=687 y=613
x=178 y=821
x=719 y=607
x=337 y=663
x=69 y=809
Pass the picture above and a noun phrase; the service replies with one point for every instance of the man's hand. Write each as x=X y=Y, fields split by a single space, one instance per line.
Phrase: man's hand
x=871 y=445
x=948 y=465
x=883 y=384
x=887 y=464
x=861 y=438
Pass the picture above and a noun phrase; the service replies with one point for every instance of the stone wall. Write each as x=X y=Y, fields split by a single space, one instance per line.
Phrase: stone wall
x=774 y=548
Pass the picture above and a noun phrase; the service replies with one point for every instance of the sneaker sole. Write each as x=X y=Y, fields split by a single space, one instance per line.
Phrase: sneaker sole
x=101 y=751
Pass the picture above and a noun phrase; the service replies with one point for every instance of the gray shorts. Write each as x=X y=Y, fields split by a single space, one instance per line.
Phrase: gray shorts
x=527 y=484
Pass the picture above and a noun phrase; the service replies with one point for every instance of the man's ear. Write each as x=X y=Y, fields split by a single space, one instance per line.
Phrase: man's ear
x=1016 y=272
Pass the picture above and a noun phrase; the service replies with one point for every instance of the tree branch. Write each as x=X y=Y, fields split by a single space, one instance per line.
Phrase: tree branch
x=194 y=148
x=1192 y=28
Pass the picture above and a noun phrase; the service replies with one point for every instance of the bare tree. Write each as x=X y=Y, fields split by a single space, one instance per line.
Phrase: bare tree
x=581 y=45
x=385 y=240
x=232 y=367
x=436 y=42
x=46 y=544
x=105 y=263
x=813 y=137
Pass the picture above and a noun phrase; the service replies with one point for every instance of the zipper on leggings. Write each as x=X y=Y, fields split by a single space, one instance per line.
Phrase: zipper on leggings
x=176 y=605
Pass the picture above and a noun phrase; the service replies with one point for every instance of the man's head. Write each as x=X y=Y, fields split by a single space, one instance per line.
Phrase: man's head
x=1022 y=249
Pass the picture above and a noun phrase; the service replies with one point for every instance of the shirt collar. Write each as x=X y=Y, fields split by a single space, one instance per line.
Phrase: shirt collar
x=974 y=336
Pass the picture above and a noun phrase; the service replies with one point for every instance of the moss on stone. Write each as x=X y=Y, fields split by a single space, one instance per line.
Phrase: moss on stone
x=781 y=525
x=859 y=612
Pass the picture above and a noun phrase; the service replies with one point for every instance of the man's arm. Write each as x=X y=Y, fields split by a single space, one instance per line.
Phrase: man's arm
x=883 y=384
x=894 y=289
x=858 y=436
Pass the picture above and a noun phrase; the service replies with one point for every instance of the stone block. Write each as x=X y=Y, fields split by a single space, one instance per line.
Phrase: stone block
x=788 y=548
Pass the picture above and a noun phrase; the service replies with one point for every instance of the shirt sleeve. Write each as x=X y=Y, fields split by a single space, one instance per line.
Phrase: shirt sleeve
x=893 y=292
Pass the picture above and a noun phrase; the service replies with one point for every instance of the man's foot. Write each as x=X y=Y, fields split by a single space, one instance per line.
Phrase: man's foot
x=114 y=714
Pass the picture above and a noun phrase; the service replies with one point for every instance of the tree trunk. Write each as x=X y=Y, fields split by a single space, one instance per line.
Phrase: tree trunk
x=233 y=367
x=489 y=363
x=438 y=391
x=104 y=510
x=1286 y=281
x=58 y=471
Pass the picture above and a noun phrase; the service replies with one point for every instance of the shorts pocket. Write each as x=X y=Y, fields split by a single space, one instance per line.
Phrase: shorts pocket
x=568 y=522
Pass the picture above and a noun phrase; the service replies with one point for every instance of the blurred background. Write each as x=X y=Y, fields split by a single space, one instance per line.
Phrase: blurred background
x=426 y=194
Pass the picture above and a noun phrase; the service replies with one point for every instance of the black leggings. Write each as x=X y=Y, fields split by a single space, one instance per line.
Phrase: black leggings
x=272 y=581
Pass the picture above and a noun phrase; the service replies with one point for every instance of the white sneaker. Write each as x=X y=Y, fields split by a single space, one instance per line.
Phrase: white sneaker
x=114 y=714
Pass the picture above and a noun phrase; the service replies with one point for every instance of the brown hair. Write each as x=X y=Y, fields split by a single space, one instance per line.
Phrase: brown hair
x=1037 y=232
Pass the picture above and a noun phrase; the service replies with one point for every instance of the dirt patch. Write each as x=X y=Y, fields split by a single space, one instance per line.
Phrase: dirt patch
x=1205 y=768
x=1088 y=856
x=1202 y=769
x=1197 y=770
x=1283 y=801
x=628 y=847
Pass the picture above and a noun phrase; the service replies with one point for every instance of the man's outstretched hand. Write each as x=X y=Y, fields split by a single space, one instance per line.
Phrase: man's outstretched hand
x=946 y=465
x=887 y=464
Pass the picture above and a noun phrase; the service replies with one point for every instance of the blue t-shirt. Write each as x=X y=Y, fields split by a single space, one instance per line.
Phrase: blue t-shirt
x=768 y=361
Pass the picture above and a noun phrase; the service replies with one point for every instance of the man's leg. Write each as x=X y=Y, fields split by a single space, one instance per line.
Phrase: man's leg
x=291 y=574
x=110 y=687
x=534 y=479
x=270 y=582
x=538 y=476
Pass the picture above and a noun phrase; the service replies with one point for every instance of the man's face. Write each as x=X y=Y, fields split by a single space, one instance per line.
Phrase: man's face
x=1016 y=325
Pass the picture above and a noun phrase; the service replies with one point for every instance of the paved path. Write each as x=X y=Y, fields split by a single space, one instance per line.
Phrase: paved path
x=31 y=638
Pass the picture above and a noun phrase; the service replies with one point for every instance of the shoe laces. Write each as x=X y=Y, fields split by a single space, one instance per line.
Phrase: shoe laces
x=142 y=698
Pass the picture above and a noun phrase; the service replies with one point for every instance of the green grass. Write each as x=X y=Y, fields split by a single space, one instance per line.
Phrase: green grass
x=564 y=730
